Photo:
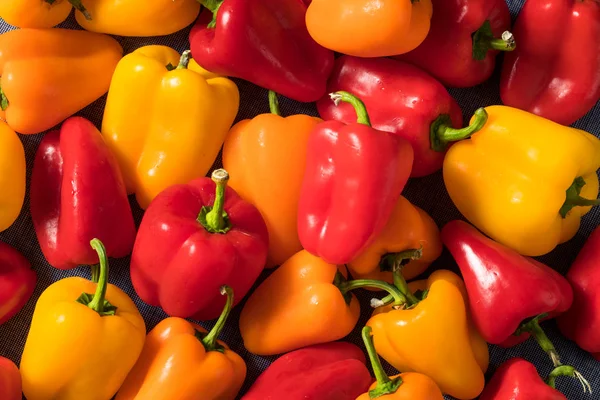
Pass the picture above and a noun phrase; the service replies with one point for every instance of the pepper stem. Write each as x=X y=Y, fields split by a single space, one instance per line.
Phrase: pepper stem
x=359 y=106
x=567 y=370
x=215 y=218
x=210 y=340
x=533 y=327
x=95 y=273
x=213 y=6
x=441 y=132
x=346 y=286
x=273 y=103
x=3 y=100
x=77 y=5
x=98 y=302
x=385 y=385
x=184 y=61
x=574 y=199
x=484 y=41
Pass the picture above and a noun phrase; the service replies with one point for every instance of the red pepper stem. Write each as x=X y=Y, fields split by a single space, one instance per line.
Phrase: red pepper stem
x=359 y=106
x=273 y=103
x=505 y=43
x=441 y=132
x=213 y=6
x=536 y=331
x=348 y=286
x=567 y=370
x=97 y=304
x=184 y=61
x=3 y=99
x=385 y=385
x=210 y=340
x=215 y=219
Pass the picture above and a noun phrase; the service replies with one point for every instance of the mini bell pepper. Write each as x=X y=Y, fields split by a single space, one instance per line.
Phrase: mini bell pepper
x=523 y=180
x=38 y=14
x=355 y=162
x=264 y=42
x=10 y=380
x=517 y=379
x=12 y=176
x=555 y=71
x=138 y=18
x=410 y=237
x=77 y=194
x=183 y=361
x=401 y=99
x=463 y=41
x=84 y=334
x=326 y=371
x=17 y=282
x=164 y=122
x=47 y=75
x=267 y=168
x=194 y=239
x=581 y=323
x=365 y=29
x=433 y=335
x=306 y=301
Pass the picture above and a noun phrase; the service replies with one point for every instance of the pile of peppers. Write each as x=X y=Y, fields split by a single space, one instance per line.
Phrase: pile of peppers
x=319 y=201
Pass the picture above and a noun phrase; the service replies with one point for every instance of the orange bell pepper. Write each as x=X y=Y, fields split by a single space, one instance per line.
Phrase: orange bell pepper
x=410 y=238
x=183 y=361
x=47 y=75
x=266 y=157
x=39 y=13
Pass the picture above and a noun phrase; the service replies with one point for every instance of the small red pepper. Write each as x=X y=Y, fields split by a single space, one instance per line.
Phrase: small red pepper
x=555 y=71
x=78 y=194
x=10 y=380
x=265 y=42
x=353 y=178
x=17 y=282
x=194 y=239
x=463 y=41
x=327 y=371
x=404 y=100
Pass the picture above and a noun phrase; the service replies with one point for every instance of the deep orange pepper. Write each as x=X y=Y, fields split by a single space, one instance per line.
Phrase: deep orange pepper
x=38 y=13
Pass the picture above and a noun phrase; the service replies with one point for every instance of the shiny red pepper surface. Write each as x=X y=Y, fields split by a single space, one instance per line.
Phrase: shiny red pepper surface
x=78 y=194
x=555 y=70
x=10 y=380
x=17 y=282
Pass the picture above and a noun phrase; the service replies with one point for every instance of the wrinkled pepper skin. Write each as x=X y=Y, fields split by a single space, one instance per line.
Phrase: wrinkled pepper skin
x=510 y=179
x=409 y=228
x=267 y=168
x=77 y=194
x=400 y=98
x=10 y=380
x=77 y=68
x=17 y=283
x=165 y=127
x=327 y=371
x=364 y=29
x=581 y=323
x=448 y=52
x=555 y=70
x=12 y=176
x=138 y=18
x=34 y=13
x=456 y=356
x=264 y=42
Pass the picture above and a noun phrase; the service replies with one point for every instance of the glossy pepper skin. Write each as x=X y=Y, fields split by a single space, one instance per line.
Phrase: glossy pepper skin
x=264 y=42
x=77 y=194
x=82 y=333
x=17 y=283
x=193 y=239
x=555 y=70
x=267 y=168
x=350 y=161
x=523 y=180
x=12 y=176
x=326 y=371
x=364 y=29
x=467 y=37
x=10 y=380
x=183 y=361
x=38 y=14
x=166 y=127
x=77 y=68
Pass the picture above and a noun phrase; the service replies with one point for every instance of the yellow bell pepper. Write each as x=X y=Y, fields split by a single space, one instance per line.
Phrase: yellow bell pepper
x=81 y=345
x=12 y=176
x=524 y=180
x=166 y=126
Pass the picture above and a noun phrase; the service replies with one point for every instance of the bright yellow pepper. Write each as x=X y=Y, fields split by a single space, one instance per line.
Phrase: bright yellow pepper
x=524 y=180
x=12 y=176
x=165 y=126
x=81 y=345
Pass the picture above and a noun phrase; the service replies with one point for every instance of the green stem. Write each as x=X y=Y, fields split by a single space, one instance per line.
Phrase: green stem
x=210 y=340
x=97 y=301
x=402 y=286
x=213 y=6
x=3 y=99
x=184 y=61
x=95 y=273
x=273 y=103
x=533 y=327
x=484 y=41
x=78 y=6
x=505 y=43
x=215 y=219
x=348 y=286
x=385 y=385
x=573 y=198
x=441 y=132
x=359 y=106
x=567 y=370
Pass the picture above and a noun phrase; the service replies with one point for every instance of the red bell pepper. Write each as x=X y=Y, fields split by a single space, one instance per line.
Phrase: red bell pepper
x=194 y=239
x=328 y=371
x=265 y=42
x=78 y=194
x=10 y=380
x=353 y=178
x=581 y=323
x=555 y=71
x=463 y=41
x=17 y=282
x=517 y=379
x=401 y=99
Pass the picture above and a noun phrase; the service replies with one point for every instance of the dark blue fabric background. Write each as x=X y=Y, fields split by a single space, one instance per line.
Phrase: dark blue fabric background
x=428 y=193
